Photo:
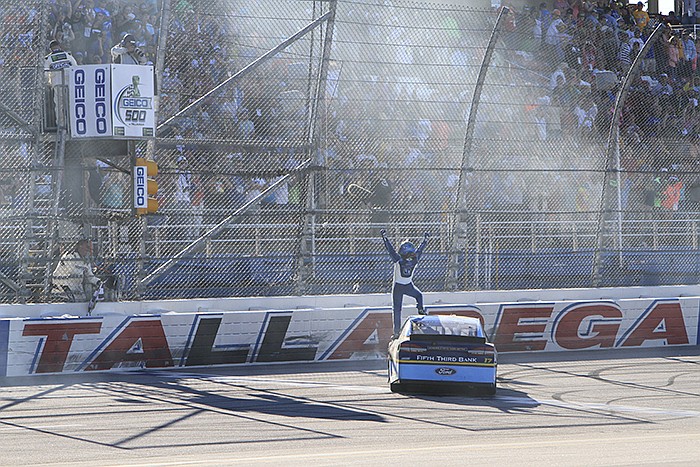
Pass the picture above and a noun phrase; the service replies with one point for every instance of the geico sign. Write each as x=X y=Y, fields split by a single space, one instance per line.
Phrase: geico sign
x=140 y=186
x=80 y=102
x=136 y=103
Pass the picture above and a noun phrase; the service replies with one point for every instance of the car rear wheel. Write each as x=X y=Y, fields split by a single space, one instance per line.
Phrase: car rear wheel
x=395 y=387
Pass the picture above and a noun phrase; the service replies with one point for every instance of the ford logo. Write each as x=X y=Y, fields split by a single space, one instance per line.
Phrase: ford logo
x=445 y=371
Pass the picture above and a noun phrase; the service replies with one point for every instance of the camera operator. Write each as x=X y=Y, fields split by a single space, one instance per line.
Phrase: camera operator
x=126 y=52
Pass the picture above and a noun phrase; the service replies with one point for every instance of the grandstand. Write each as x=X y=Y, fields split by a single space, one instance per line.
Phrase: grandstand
x=270 y=109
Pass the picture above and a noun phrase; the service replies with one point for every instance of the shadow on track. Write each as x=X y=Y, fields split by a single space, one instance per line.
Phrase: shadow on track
x=258 y=401
x=505 y=400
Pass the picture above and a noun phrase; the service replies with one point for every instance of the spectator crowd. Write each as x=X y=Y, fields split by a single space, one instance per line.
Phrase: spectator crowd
x=582 y=50
x=89 y=28
x=393 y=117
x=579 y=49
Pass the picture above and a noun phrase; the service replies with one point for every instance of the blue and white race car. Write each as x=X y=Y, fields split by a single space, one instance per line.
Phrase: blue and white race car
x=436 y=351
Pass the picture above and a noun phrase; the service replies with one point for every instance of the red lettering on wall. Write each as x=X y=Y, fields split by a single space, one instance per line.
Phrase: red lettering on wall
x=509 y=326
x=568 y=327
x=673 y=331
x=59 y=337
x=142 y=342
x=356 y=341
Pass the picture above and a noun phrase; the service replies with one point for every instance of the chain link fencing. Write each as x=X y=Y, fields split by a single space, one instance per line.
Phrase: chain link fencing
x=292 y=132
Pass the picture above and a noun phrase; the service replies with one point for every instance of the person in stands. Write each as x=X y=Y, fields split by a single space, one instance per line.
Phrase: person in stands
x=127 y=53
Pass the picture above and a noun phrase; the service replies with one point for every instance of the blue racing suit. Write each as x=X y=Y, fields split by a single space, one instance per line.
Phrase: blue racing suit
x=404 y=267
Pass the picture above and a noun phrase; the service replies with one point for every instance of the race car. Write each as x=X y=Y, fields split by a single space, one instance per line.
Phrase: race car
x=437 y=352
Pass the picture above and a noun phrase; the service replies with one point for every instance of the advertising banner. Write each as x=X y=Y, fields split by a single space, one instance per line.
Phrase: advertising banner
x=140 y=187
x=99 y=343
x=132 y=101
x=111 y=101
x=89 y=110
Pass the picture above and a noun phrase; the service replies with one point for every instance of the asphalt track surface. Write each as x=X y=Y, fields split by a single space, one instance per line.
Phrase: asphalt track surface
x=622 y=408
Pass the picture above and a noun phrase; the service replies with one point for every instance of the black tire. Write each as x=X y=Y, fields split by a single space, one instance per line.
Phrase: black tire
x=490 y=390
x=395 y=387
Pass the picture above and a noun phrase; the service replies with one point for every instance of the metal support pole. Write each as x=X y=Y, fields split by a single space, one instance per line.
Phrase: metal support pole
x=245 y=71
x=466 y=166
x=305 y=264
x=610 y=155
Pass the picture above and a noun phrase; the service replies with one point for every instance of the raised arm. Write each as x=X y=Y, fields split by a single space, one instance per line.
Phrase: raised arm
x=389 y=247
x=422 y=245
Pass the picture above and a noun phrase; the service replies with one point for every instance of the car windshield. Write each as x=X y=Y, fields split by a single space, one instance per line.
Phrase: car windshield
x=446 y=326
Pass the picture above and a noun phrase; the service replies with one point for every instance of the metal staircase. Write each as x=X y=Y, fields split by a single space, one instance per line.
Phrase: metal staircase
x=39 y=250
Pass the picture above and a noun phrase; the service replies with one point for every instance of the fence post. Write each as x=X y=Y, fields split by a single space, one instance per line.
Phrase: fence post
x=460 y=227
x=612 y=156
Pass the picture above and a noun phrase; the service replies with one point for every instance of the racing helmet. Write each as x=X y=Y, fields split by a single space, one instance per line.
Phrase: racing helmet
x=407 y=249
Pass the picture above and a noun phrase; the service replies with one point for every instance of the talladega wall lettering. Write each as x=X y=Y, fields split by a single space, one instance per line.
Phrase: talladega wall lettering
x=142 y=341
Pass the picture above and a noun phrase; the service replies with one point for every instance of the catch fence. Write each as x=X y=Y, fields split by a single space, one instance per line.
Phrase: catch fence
x=291 y=132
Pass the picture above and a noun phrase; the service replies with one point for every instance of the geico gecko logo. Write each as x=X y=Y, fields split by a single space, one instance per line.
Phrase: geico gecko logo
x=130 y=107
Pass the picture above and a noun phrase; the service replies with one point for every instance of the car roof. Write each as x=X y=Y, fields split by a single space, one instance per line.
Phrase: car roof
x=446 y=324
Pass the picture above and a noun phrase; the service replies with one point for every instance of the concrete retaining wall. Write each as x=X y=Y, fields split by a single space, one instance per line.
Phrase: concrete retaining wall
x=44 y=339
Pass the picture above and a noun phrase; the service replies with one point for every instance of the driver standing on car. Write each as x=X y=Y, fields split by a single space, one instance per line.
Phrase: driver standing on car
x=405 y=262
